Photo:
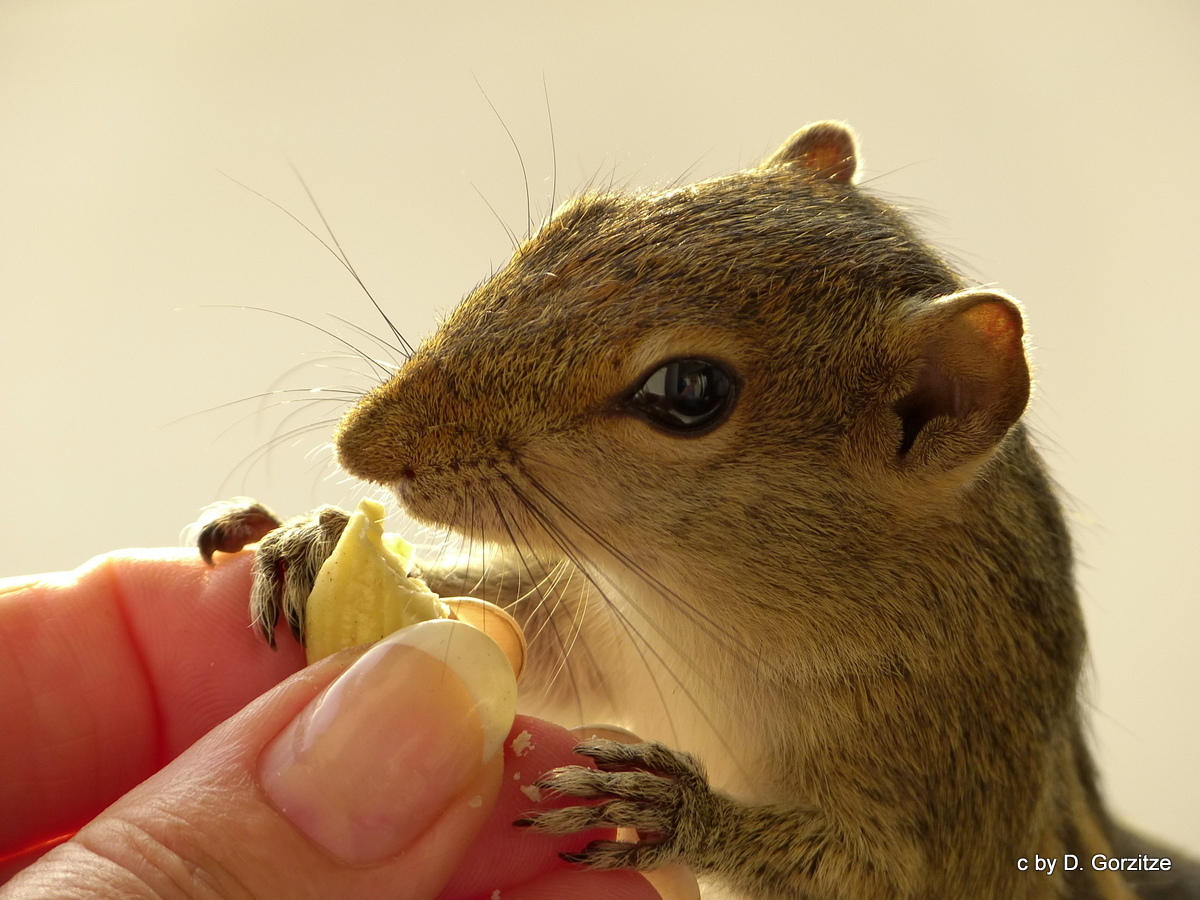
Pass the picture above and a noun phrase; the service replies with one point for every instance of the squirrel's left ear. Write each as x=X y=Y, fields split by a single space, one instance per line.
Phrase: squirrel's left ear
x=826 y=149
x=969 y=378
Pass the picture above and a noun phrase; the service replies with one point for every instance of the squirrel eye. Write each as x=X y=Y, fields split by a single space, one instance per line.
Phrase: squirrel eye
x=684 y=396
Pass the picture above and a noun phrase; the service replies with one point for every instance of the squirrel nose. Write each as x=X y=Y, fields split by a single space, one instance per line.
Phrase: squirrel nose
x=374 y=440
x=404 y=487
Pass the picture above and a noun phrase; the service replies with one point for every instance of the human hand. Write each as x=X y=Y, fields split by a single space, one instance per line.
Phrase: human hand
x=364 y=775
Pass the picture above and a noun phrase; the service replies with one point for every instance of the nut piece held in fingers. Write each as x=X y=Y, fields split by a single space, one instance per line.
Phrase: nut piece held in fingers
x=365 y=591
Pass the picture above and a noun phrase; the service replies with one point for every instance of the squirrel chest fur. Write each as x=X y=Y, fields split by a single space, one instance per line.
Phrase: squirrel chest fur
x=748 y=459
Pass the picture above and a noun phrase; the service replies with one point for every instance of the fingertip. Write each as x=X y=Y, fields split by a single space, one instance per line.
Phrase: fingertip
x=190 y=626
x=506 y=854
x=111 y=670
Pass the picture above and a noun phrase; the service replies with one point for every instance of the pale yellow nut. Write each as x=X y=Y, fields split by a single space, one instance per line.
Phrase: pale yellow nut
x=364 y=592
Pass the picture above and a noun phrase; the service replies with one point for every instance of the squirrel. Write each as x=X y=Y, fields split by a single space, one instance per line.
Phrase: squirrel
x=746 y=458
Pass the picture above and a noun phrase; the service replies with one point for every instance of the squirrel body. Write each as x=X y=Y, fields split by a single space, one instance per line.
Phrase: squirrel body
x=749 y=459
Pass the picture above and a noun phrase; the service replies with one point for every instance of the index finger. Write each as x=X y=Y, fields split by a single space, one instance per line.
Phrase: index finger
x=110 y=671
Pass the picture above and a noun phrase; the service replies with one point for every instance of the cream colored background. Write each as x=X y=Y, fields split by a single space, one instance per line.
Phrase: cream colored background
x=1050 y=146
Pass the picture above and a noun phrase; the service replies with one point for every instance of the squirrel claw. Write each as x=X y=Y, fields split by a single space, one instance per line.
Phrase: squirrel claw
x=229 y=525
x=659 y=792
x=289 y=556
x=649 y=756
x=616 y=855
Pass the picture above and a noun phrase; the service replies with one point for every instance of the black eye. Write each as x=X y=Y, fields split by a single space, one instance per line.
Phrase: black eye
x=684 y=395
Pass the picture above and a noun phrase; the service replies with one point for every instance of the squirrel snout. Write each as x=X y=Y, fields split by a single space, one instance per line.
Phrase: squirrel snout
x=426 y=453
x=375 y=439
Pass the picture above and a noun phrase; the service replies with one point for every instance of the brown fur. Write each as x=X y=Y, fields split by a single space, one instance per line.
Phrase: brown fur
x=853 y=599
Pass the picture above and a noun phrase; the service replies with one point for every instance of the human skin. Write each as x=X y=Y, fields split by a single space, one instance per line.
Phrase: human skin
x=139 y=708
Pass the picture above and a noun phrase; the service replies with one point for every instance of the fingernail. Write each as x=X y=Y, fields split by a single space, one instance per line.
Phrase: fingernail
x=377 y=757
x=608 y=732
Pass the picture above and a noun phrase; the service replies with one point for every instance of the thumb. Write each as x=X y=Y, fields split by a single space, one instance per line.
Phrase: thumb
x=364 y=777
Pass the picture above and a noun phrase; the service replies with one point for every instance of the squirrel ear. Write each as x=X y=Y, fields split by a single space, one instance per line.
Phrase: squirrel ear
x=972 y=379
x=826 y=149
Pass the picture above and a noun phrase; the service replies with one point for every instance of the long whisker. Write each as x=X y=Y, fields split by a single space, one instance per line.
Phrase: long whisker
x=346 y=396
x=471 y=544
x=563 y=647
x=292 y=414
x=383 y=369
x=371 y=336
x=322 y=464
x=320 y=359
x=639 y=644
x=565 y=569
x=407 y=347
x=337 y=253
x=512 y=235
x=257 y=412
x=558 y=584
x=520 y=158
x=710 y=627
x=253 y=458
x=553 y=147
x=277 y=439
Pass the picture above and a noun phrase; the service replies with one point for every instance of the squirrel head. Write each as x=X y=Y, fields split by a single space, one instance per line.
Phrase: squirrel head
x=765 y=363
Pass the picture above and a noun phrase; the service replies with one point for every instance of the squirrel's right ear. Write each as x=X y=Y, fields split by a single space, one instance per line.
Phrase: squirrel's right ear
x=826 y=149
x=968 y=382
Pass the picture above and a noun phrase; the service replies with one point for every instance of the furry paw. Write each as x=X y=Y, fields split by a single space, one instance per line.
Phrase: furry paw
x=662 y=793
x=289 y=556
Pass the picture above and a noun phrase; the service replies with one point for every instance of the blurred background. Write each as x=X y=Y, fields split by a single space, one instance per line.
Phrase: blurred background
x=1048 y=146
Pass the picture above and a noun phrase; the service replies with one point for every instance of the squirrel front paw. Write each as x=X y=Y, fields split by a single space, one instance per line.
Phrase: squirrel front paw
x=660 y=792
x=289 y=555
